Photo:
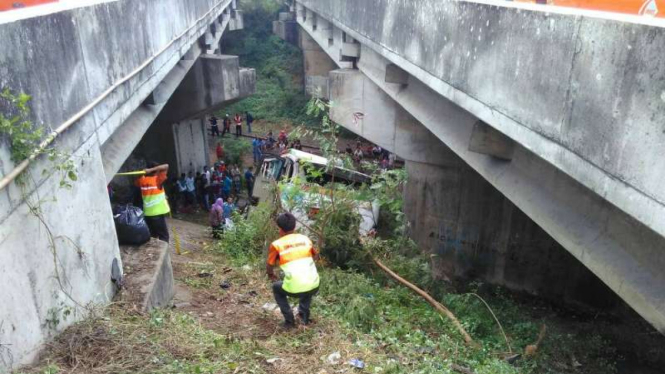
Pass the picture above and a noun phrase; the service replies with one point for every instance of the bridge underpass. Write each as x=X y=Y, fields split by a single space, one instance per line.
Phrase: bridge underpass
x=557 y=111
x=116 y=82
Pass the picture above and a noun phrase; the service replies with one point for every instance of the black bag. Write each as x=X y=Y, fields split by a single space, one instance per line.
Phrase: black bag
x=130 y=225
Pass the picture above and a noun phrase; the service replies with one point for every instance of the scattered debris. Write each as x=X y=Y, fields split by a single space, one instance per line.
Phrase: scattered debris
x=512 y=358
x=205 y=274
x=334 y=358
x=225 y=284
x=461 y=369
x=273 y=360
x=253 y=293
x=270 y=307
x=356 y=363
x=246 y=268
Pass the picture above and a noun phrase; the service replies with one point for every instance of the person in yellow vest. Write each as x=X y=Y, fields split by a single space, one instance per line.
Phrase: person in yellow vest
x=155 y=205
x=295 y=255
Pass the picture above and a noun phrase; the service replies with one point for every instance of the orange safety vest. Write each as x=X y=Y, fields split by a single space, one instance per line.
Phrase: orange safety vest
x=152 y=192
x=295 y=253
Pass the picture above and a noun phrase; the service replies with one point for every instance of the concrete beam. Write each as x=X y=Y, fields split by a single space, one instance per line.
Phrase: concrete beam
x=487 y=140
x=286 y=16
x=395 y=74
x=122 y=142
x=320 y=40
x=317 y=64
x=213 y=81
x=191 y=145
x=237 y=21
x=286 y=30
x=350 y=50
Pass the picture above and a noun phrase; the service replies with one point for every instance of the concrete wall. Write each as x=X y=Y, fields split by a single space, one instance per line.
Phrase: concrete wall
x=83 y=248
x=65 y=60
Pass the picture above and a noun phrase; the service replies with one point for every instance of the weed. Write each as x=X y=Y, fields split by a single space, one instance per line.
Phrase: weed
x=235 y=150
x=245 y=242
x=278 y=65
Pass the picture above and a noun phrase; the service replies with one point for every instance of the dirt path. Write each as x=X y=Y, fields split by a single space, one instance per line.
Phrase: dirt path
x=229 y=300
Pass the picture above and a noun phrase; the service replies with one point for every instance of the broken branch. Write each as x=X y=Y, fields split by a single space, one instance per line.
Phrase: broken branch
x=438 y=306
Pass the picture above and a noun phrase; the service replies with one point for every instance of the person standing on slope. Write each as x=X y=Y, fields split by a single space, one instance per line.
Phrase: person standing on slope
x=295 y=255
x=155 y=204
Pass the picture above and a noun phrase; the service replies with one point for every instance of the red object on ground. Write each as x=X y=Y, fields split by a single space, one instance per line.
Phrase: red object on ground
x=17 y=4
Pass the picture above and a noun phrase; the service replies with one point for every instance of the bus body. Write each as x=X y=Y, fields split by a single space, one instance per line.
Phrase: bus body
x=292 y=164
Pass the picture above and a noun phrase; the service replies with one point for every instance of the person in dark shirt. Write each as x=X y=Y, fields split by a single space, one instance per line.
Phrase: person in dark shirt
x=214 y=129
x=249 y=119
x=226 y=125
x=249 y=181
x=199 y=183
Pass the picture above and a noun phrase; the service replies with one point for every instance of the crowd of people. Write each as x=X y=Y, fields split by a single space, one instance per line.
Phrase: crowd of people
x=226 y=124
x=362 y=152
x=214 y=190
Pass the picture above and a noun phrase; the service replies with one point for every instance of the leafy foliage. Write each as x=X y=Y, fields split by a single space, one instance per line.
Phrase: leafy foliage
x=25 y=138
x=235 y=150
x=279 y=95
x=245 y=242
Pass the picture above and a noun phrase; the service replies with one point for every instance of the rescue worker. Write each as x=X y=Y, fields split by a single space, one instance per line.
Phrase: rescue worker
x=155 y=205
x=295 y=254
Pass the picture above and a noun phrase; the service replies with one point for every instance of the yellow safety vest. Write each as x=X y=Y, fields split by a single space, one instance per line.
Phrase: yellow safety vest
x=152 y=192
x=295 y=259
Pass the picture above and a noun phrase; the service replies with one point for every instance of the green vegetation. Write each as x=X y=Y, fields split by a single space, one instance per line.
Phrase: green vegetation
x=25 y=138
x=235 y=150
x=279 y=95
x=244 y=243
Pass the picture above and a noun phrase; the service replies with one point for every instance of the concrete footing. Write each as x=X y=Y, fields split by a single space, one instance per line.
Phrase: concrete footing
x=148 y=279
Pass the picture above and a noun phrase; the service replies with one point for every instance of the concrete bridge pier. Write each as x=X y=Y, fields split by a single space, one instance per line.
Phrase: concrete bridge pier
x=179 y=135
x=316 y=65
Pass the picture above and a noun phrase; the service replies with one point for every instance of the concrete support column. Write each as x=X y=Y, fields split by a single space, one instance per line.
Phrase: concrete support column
x=362 y=107
x=473 y=231
x=317 y=64
x=183 y=145
x=191 y=145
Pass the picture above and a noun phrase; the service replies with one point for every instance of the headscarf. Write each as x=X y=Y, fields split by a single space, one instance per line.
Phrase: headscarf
x=219 y=204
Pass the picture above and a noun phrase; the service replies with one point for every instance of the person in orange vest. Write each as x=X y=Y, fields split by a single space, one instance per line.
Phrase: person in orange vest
x=155 y=205
x=295 y=254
